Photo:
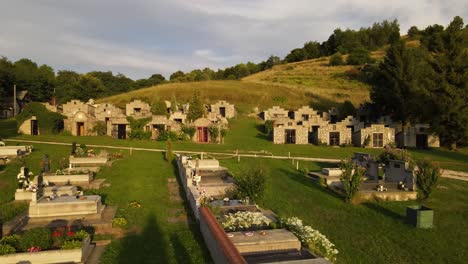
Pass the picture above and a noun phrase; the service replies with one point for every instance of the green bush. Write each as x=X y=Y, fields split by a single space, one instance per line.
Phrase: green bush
x=251 y=182
x=359 y=56
x=36 y=237
x=100 y=128
x=12 y=240
x=48 y=122
x=6 y=249
x=395 y=154
x=350 y=179
x=189 y=130
x=80 y=235
x=268 y=127
x=72 y=244
x=169 y=154
x=214 y=132
x=168 y=135
x=427 y=177
x=336 y=59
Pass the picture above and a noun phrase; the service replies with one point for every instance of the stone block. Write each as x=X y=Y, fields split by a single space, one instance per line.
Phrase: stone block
x=334 y=172
x=65 y=206
x=275 y=240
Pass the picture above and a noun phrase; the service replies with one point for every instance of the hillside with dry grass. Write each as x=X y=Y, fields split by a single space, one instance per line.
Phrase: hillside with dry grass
x=310 y=82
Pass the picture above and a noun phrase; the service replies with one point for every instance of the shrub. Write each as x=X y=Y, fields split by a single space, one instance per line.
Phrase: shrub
x=214 y=132
x=336 y=59
x=189 y=130
x=137 y=128
x=71 y=244
x=395 y=154
x=359 y=56
x=251 y=182
x=169 y=154
x=81 y=235
x=119 y=222
x=168 y=135
x=100 y=128
x=36 y=237
x=350 y=179
x=427 y=177
x=12 y=240
x=268 y=127
x=6 y=249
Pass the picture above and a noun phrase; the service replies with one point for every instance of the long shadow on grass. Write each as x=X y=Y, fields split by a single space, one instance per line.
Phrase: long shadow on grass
x=192 y=224
x=384 y=211
x=147 y=247
x=182 y=255
x=308 y=182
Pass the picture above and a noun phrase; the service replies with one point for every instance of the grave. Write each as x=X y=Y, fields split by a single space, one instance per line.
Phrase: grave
x=15 y=150
x=271 y=241
x=87 y=163
x=331 y=176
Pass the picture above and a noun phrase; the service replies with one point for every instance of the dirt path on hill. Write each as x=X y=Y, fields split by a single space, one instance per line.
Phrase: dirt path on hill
x=457 y=175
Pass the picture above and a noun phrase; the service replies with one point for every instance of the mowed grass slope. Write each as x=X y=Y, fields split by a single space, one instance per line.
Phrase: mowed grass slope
x=291 y=85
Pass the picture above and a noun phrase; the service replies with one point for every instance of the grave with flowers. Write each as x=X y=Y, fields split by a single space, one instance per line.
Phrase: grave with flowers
x=255 y=234
x=44 y=245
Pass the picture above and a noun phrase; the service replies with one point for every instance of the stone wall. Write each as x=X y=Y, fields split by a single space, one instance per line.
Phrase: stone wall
x=74 y=106
x=103 y=111
x=360 y=136
x=323 y=133
x=178 y=116
x=138 y=109
x=71 y=123
x=279 y=133
x=230 y=111
x=274 y=113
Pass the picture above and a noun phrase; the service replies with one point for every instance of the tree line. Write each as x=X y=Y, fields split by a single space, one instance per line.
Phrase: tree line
x=42 y=82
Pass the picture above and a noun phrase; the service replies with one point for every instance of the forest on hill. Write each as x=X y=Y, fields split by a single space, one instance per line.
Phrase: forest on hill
x=42 y=81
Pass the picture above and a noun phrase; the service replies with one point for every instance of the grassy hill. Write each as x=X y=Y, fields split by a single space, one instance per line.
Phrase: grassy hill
x=310 y=82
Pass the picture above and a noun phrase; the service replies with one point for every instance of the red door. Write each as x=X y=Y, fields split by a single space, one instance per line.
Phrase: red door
x=202 y=133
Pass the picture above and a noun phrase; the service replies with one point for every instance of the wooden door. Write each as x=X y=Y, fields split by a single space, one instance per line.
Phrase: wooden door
x=34 y=128
x=80 y=129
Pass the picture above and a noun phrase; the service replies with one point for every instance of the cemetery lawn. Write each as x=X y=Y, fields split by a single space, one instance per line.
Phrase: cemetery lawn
x=246 y=135
x=141 y=177
x=373 y=232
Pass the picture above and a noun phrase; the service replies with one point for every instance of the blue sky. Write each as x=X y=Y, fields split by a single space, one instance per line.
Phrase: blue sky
x=142 y=37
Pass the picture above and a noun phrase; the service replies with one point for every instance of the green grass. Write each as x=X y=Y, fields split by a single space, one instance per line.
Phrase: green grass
x=373 y=232
x=8 y=128
x=246 y=135
x=142 y=177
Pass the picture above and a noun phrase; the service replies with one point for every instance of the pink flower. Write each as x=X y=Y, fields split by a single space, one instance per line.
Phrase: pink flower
x=34 y=249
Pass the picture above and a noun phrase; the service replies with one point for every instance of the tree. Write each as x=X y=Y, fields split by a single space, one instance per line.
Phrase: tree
x=39 y=81
x=196 y=108
x=100 y=128
x=174 y=106
x=347 y=109
x=67 y=86
x=413 y=31
x=400 y=83
x=296 y=55
x=449 y=92
x=176 y=75
x=359 y=56
x=336 y=59
x=251 y=182
x=427 y=177
x=272 y=61
x=158 y=107
x=7 y=77
x=351 y=179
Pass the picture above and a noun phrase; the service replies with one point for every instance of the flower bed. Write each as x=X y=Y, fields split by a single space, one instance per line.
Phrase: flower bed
x=311 y=238
x=41 y=245
x=242 y=221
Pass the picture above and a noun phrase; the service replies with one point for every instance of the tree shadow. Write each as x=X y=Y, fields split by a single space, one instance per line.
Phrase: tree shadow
x=308 y=182
x=182 y=256
x=147 y=247
x=382 y=210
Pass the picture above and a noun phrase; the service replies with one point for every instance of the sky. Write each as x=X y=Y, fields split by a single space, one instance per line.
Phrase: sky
x=141 y=37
